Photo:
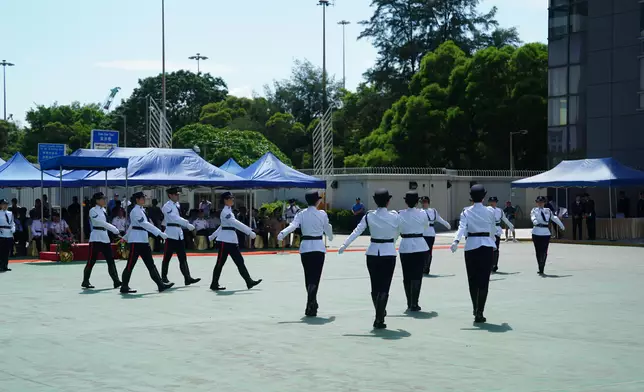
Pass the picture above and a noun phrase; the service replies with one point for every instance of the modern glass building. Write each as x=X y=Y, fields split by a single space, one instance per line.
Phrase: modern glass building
x=596 y=80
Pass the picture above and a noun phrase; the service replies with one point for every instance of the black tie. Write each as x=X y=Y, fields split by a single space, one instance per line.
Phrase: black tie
x=543 y=215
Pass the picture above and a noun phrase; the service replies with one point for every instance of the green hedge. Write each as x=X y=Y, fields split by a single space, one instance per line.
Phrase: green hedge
x=341 y=220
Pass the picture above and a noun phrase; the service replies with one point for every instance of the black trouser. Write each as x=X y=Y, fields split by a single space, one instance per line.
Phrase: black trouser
x=227 y=249
x=576 y=228
x=20 y=238
x=106 y=249
x=541 y=243
x=38 y=241
x=428 y=260
x=6 y=244
x=590 y=226
x=313 y=262
x=381 y=271
x=143 y=250
x=478 y=263
x=172 y=247
x=495 y=264
x=412 y=266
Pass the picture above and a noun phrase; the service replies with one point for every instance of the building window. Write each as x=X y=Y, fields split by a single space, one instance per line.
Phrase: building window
x=578 y=17
x=558 y=3
x=573 y=109
x=642 y=19
x=641 y=100
x=574 y=138
x=557 y=111
x=558 y=52
x=558 y=22
x=557 y=81
x=641 y=73
x=576 y=48
x=557 y=140
x=574 y=77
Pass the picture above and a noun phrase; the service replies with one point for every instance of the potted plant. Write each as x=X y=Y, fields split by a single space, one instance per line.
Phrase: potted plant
x=122 y=251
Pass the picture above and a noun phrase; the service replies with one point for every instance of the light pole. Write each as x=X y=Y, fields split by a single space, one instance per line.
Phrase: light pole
x=124 y=129
x=198 y=57
x=5 y=64
x=163 y=58
x=521 y=132
x=324 y=4
x=344 y=23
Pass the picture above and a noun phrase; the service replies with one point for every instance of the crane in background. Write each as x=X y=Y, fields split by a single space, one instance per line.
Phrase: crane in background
x=110 y=98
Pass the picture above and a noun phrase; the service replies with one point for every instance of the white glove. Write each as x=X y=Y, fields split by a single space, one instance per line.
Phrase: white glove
x=280 y=237
x=252 y=235
x=454 y=246
x=116 y=231
x=164 y=236
x=212 y=236
x=342 y=249
x=191 y=227
x=449 y=227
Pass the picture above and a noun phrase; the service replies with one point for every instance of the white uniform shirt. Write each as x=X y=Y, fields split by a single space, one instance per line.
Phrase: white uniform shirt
x=57 y=228
x=98 y=220
x=291 y=211
x=200 y=224
x=7 y=224
x=543 y=216
x=477 y=219
x=38 y=229
x=313 y=223
x=498 y=217
x=413 y=221
x=171 y=217
x=138 y=218
x=383 y=224
x=226 y=232
x=120 y=223
x=434 y=217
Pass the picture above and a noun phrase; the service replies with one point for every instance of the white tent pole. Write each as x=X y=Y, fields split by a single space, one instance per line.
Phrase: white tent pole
x=610 y=202
x=42 y=213
x=82 y=213
x=60 y=202
x=127 y=192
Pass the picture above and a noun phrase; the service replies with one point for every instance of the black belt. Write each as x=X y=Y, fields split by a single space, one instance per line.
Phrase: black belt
x=310 y=238
x=411 y=235
x=5 y=227
x=478 y=234
x=138 y=228
x=540 y=225
x=38 y=232
x=228 y=228
x=380 y=241
x=498 y=224
x=99 y=228
x=431 y=225
x=173 y=225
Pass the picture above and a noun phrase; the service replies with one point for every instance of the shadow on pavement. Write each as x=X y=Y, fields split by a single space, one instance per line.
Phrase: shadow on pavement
x=505 y=273
x=311 y=320
x=386 y=334
x=232 y=292
x=494 y=328
x=95 y=291
x=555 y=276
x=418 y=315
x=438 y=276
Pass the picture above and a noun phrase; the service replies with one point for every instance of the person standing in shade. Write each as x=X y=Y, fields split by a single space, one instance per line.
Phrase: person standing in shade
x=430 y=234
x=314 y=224
x=413 y=248
x=577 y=212
x=541 y=218
x=499 y=217
x=229 y=245
x=174 y=225
x=640 y=206
x=383 y=226
x=99 y=242
x=290 y=213
x=137 y=237
x=478 y=225
x=358 y=210
x=7 y=228
x=589 y=213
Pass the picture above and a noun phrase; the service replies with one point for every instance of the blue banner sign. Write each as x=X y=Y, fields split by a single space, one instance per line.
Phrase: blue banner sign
x=50 y=150
x=104 y=139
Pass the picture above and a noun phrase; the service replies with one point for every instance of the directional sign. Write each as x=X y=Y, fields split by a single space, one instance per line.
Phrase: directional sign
x=50 y=150
x=104 y=139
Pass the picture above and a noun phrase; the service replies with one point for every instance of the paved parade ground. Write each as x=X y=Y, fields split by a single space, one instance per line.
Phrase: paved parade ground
x=580 y=329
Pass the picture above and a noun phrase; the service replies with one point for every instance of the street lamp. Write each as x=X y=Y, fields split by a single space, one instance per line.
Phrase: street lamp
x=521 y=132
x=344 y=23
x=324 y=4
x=5 y=64
x=198 y=57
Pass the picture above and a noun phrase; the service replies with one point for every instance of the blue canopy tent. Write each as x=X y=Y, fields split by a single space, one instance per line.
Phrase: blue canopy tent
x=18 y=172
x=82 y=163
x=600 y=172
x=231 y=166
x=270 y=172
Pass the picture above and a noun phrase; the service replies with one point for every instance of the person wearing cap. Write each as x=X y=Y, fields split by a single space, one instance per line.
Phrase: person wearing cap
x=290 y=213
x=499 y=217
x=56 y=228
x=229 y=245
x=478 y=225
x=510 y=212
x=174 y=225
x=99 y=242
x=413 y=249
x=7 y=228
x=430 y=234
x=137 y=237
x=314 y=224
x=589 y=213
x=383 y=226
x=541 y=218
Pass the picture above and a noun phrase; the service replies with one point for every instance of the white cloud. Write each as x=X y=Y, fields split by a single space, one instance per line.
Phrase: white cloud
x=243 y=91
x=155 y=66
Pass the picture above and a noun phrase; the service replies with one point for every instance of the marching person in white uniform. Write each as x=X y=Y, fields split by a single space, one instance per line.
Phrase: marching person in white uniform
x=478 y=225
x=499 y=216
x=7 y=228
x=228 y=244
x=314 y=224
x=381 y=253
x=174 y=225
x=541 y=217
x=99 y=242
x=430 y=234
x=137 y=237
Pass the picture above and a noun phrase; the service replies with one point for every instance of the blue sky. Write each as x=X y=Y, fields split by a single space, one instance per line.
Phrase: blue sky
x=69 y=50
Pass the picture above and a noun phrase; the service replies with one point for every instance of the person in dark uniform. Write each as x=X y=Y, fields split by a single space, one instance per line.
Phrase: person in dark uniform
x=478 y=225
x=577 y=212
x=174 y=225
x=381 y=254
x=624 y=205
x=541 y=218
x=640 y=206
x=137 y=237
x=430 y=234
x=7 y=228
x=589 y=212
x=229 y=245
x=313 y=224
x=99 y=242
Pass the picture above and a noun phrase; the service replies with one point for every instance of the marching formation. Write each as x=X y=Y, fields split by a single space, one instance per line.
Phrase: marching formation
x=479 y=224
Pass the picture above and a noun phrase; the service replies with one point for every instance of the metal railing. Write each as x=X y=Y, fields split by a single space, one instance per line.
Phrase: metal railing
x=338 y=171
x=323 y=145
x=159 y=129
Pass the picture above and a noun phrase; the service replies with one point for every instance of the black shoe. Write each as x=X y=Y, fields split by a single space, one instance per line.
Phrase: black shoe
x=165 y=280
x=127 y=290
x=86 y=285
x=253 y=283
x=117 y=285
x=192 y=281
x=495 y=269
x=311 y=309
x=216 y=287
x=7 y=269
x=379 y=324
x=415 y=308
x=479 y=319
x=426 y=271
x=165 y=287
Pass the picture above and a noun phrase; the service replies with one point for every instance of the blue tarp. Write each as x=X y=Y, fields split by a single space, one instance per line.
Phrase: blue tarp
x=18 y=172
x=584 y=173
x=83 y=163
x=231 y=166
x=270 y=172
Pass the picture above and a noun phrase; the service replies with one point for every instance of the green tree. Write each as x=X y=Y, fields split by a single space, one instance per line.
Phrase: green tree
x=289 y=135
x=237 y=113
